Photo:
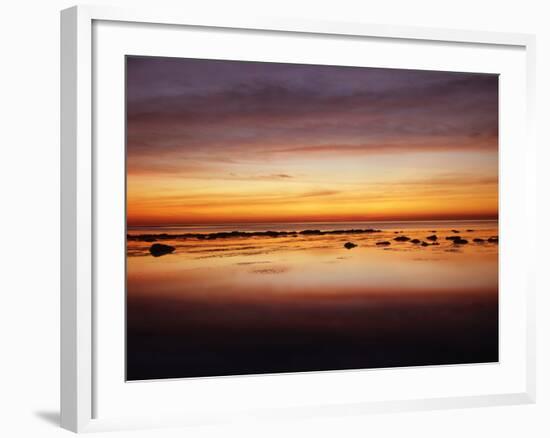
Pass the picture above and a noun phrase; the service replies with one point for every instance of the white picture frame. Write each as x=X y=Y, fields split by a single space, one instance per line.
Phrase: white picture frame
x=79 y=170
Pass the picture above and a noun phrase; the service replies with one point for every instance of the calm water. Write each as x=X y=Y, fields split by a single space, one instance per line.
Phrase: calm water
x=260 y=304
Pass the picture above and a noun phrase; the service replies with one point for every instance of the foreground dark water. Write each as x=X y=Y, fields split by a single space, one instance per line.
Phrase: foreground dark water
x=249 y=305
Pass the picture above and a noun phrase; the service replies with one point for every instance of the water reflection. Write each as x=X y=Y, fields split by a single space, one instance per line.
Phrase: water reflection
x=261 y=304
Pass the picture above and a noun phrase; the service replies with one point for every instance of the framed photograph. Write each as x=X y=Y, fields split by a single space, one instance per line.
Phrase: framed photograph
x=276 y=218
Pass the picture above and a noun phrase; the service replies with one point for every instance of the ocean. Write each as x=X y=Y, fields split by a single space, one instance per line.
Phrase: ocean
x=252 y=304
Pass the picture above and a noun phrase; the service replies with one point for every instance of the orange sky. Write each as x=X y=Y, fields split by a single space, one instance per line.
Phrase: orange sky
x=220 y=142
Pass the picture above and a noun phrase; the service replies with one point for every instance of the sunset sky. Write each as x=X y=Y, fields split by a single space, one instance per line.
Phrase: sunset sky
x=231 y=141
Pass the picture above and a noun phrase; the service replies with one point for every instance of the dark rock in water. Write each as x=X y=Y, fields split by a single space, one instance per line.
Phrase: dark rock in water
x=453 y=238
x=435 y=243
x=455 y=231
x=315 y=232
x=415 y=241
x=396 y=232
x=159 y=249
x=424 y=244
x=384 y=243
x=460 y=241
x=433 y=238
x=433 y=231
x=349 y=245
x=402 y=239
x=493 y=239
x=478 y=240
x=469 y=231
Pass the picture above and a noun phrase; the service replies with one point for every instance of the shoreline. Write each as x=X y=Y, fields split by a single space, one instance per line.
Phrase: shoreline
x=399 y=235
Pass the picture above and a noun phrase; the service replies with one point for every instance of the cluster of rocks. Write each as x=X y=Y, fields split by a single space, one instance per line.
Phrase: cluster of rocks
x=230 y=234
x=461 y=241
x=457 y=240
x=158 y=249
x=492 y=239
x=433 y=239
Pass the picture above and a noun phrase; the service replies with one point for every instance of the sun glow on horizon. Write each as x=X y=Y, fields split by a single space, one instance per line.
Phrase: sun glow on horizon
x=238 y=142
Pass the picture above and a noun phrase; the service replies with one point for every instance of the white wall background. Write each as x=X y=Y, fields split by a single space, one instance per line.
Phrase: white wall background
x=29 y=218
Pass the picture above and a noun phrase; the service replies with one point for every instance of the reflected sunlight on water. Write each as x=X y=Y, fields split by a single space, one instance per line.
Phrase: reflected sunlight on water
x=306 y=302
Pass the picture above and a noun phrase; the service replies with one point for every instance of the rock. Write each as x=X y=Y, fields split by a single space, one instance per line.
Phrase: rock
x=159 y=249
x=469 y=231
x=415 y=241
x=493 y=239
x=384 y=243
x=453 y=238
x=402 y=239
x=349 y=245
x=478 y=240
x=455 y=231
x=457 y=240
x=424 y=244
x=435 y=243
x=460 y=241
x=433 y=238
x=309 y=232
